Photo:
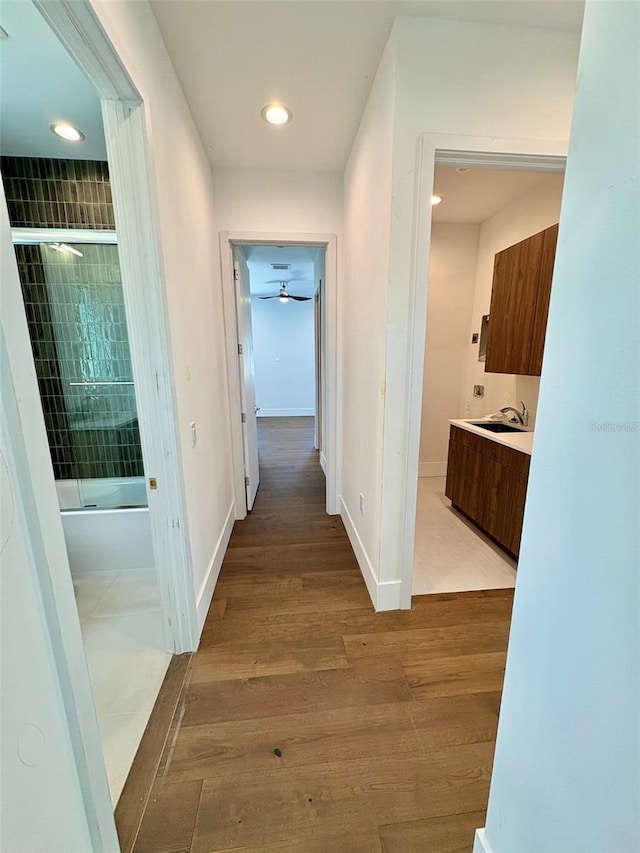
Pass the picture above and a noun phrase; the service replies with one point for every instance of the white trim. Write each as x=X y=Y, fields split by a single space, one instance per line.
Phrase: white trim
x=385 y=595
x=487 y=160
x=144 y=296
x=286 y=413
x=29 y=236
x=330 y=404
x=323 y=463
x=480 y=843
x=213 y=572
x=432 y=469
x=430 y=145
x=366 y=566
x=79 y=30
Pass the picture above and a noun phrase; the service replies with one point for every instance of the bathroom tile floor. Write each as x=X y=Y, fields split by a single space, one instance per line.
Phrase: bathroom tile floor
x=122 y=633
x=450 y=554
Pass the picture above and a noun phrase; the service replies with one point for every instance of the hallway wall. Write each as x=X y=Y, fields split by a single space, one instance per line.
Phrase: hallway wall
x=445 y=77
x=566 y=774
x=254 y=200
x=191 y=265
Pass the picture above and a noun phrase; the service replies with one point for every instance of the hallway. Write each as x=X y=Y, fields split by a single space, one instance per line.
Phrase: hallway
x=307 y=722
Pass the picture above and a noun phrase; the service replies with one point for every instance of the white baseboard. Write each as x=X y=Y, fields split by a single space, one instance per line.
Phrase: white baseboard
x=480 y=844
x=206 y=590
x=384 y=596
x=285 y=413
x=323 y=463
x=432 y=469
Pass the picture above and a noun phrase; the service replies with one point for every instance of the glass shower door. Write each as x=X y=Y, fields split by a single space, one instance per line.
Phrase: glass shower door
x=75 y=308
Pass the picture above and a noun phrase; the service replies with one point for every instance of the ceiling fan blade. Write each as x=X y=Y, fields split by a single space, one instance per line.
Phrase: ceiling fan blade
x=300 y=298
x=288 y=281
x=275 y=296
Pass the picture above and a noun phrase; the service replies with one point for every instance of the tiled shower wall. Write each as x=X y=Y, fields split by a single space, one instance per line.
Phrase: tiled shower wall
x=43 y=193
x=75 y=312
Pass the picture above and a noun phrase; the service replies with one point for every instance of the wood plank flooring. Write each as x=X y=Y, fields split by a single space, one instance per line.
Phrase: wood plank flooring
x=308 y=722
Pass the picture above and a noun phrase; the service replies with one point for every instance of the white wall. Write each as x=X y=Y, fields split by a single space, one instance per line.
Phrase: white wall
x=284 y=356
x=566 y=774
x=300 y=202
x=527 y=215
x=439 y=77
x=190 y=257
x=362 y=318
x=451 y=288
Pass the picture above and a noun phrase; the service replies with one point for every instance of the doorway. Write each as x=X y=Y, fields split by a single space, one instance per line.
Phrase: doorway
x=443 y=152
x=142 y=392
x=482 y=212
x=285 y=286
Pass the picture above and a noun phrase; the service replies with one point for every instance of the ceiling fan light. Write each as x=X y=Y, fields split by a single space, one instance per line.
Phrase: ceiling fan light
x=284 y=298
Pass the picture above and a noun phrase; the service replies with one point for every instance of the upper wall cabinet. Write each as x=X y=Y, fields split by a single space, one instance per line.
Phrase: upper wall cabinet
x=520 y=304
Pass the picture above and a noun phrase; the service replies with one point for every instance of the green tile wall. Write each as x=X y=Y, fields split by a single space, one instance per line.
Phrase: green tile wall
x=75 y=312
x=44 y=193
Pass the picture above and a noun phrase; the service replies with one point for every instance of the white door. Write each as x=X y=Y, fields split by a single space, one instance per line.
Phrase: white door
x=247 y=376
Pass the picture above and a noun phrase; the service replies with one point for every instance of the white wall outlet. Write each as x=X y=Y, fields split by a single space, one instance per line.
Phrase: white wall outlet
x=467 y=406
x=194 y=434
x=361 y=504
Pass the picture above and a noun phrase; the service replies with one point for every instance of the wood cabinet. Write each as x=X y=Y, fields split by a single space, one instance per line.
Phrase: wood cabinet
x=520 y=305
x=488 y=483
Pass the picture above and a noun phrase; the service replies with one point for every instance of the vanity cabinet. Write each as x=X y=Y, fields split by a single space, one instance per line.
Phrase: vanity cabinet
x=520 y=305
x=487 y=482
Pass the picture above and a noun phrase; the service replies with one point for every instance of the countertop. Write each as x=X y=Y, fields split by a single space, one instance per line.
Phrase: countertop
x=522 y=441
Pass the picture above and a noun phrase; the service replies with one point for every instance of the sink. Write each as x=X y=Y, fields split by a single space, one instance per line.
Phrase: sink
x=496 y=426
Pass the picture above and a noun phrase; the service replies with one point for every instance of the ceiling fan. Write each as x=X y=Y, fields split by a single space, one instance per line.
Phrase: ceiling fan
x=283 y=296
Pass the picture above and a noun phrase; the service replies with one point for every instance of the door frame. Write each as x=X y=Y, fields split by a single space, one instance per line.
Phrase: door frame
x=542 y=155
x=126 y=128
x=228 y=239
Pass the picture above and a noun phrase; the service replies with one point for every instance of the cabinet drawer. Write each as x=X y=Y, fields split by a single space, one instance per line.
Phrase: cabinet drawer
x=515 y=459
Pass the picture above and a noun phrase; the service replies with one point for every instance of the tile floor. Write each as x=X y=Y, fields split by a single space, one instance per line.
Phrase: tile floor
x=450 y=554
x=122 y=634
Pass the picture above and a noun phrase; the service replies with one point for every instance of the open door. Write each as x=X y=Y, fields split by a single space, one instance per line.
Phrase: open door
x=247 y=375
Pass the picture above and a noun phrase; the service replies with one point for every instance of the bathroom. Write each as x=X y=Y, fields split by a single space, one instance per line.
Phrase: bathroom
x=65 y=242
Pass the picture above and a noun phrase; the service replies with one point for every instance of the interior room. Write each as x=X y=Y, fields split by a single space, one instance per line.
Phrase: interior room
x=66 y=244
x=478 y=213
x=285 y=284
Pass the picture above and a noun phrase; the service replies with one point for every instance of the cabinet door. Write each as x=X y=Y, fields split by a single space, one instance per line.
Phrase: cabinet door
x=519 y=305
x=545 y=278
x=516 y=495
x=464 y=481
x=494 y=505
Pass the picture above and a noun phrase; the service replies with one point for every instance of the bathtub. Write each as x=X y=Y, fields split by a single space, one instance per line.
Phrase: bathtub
x=111 y=533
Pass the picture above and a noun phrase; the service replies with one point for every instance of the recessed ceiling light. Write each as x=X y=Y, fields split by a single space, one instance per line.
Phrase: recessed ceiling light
x=436 y=199
x=67 y=131
x=276 y=114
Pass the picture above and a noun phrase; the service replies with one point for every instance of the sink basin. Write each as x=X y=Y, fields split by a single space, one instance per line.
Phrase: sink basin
x=496 y=426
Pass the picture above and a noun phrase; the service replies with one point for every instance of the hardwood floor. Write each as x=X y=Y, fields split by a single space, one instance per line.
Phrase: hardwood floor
x=307 y=722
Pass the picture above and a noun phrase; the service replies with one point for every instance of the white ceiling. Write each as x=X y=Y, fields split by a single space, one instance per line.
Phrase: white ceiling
x=301 y=278
x=40 y=84
x=477 y=194
x=233 y=57
x=318 y=57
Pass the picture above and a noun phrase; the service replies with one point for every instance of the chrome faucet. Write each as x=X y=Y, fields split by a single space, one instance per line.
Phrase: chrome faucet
x=522 y=417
